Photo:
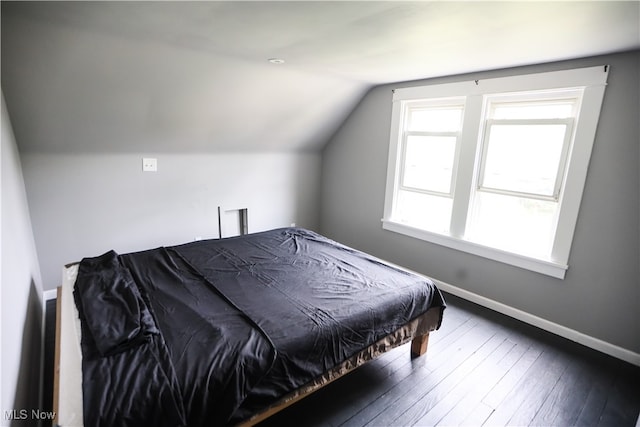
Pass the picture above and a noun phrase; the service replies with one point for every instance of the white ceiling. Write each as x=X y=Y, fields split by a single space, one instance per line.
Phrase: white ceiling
x=194 y=76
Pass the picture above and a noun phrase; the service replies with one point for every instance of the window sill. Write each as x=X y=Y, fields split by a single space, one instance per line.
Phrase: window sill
x=549 y=268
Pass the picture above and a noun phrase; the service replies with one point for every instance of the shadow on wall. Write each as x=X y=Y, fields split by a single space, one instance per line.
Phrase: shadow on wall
x=26 y=407
x=306 y=208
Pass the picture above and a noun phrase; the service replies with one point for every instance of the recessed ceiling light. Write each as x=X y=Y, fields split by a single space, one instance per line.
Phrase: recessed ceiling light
x=276 y=60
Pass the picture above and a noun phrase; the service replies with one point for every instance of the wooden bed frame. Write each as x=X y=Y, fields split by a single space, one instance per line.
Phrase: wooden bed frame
x=419 y=345
x=416 y=331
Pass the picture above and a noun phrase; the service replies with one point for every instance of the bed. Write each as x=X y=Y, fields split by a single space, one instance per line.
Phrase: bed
x=228 y=331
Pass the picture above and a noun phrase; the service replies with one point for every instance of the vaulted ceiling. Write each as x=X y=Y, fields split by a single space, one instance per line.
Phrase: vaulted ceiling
x=195 y=76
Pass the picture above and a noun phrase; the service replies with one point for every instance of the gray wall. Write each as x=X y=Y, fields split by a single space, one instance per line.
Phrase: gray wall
x=86 y=204
x=21 y=290
x=600 y=295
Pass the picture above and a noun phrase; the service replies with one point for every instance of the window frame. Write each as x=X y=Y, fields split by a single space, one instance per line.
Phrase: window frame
x=560 y=172
x=441 y=103
x=591 y=82
x=403 y=165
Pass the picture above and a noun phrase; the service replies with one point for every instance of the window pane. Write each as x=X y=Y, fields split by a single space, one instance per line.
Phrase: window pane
x=429 y=162
x=435 y=119
x=541 y=110
x=424 y=211
x=524 y=158
x=514 y=224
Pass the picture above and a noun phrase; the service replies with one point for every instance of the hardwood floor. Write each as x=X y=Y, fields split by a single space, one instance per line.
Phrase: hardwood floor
x=482 y=368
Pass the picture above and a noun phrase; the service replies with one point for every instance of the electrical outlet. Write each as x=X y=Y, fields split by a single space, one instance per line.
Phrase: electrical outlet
x=149 y=164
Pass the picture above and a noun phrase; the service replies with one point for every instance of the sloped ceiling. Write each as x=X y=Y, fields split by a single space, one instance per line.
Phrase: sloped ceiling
x=195 y=76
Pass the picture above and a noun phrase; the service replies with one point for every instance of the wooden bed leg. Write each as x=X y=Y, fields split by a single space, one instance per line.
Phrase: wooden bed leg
x=419 y=345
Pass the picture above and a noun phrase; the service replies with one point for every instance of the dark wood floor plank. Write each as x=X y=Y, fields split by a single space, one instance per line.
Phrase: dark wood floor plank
x=407 y=393
x=509 y=381
x=596 y=399
x=622 y=402
x=478 y=385
x=428 y=412
x=432 y=399
x=523 y=402
x=499 y=390
x=478 y=416
x=566 y=400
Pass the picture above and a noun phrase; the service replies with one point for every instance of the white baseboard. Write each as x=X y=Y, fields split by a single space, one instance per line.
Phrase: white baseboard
x=573 y=335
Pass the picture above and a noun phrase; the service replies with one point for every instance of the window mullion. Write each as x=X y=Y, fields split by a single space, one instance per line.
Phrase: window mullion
x=429 y=133
x=466 y=154
x=532 y=196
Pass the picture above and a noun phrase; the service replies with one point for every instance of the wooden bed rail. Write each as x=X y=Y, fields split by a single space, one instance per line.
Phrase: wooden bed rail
x=418 y=348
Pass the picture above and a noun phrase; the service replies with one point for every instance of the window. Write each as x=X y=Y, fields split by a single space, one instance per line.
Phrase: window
x=495 y=167
x=425 y=191
x=522 y=163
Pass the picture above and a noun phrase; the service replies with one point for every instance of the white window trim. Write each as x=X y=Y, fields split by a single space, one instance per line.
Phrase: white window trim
x=592 y=79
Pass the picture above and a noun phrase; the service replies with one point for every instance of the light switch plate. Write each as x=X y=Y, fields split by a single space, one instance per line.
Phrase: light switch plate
x=149 y=164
